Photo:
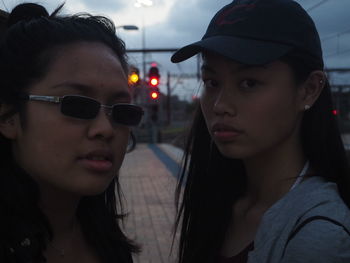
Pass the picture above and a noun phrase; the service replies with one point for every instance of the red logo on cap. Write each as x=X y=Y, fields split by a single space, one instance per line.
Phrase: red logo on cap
x=224 y=18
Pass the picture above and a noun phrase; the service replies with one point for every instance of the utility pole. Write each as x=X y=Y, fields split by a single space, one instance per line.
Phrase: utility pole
x=168 y=101
x=143 y=48
x=198 y=67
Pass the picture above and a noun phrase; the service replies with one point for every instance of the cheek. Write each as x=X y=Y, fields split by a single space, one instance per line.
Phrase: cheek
x=46 y=140
x=47 y=146
x=120 y=144
x=273 y=116
x=207 y=104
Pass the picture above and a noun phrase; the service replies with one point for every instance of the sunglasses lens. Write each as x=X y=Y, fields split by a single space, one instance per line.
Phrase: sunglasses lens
x=79 y=107
x=129 y=115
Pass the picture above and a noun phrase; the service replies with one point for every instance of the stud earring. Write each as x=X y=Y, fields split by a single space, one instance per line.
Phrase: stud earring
x=307 y=107
x=10 y=121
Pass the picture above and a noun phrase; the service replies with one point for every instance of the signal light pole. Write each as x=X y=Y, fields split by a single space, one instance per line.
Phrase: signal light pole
x=153 y=82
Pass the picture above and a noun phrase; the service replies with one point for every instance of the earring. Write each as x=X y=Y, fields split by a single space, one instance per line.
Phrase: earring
x=10 y=121
x=307 y=107
x=131 y=143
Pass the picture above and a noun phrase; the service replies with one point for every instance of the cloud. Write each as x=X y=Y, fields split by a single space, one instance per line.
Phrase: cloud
x=331 y=18
x=175 y=23
x=191 y=18
x=108 y=5
x=105 y=6
x=186 y=23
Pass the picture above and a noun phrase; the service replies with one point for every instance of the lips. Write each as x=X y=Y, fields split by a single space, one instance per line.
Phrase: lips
x=97 y=161
x=225 y=132
x=99 y=155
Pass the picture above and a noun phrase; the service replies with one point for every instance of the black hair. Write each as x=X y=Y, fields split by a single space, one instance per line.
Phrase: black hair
x=204 y=206
x=27 y=49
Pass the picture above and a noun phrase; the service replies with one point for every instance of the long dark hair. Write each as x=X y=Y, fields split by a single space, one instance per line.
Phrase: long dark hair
x=28 y=47
x=213 y=183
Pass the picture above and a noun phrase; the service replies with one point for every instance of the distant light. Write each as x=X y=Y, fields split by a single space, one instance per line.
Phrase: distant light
x=147 y=2
x=154 y=64
x=335 y=112
x=154 y=95
x=140 y=3
x=134 y=78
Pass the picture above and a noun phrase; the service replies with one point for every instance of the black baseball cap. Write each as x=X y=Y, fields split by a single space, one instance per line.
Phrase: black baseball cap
x=257 y=32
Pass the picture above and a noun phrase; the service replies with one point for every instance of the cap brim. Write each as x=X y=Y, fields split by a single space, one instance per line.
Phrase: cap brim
x=242 y=50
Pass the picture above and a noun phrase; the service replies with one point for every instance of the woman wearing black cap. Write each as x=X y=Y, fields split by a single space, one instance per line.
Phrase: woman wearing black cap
x=64 y=128
x=266 y=174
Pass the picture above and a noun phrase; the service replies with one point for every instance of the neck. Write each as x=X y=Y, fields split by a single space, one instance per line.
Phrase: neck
x=271 y=174
x=60 y=209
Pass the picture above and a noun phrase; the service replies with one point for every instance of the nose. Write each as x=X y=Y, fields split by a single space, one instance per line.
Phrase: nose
x=108 y=110
x=224 y=102
x=102 y=126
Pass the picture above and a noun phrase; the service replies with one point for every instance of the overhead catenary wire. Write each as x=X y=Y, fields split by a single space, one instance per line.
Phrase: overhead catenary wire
x=337 y=53
x=316 y=5
x=334 y=35
x=3 y=2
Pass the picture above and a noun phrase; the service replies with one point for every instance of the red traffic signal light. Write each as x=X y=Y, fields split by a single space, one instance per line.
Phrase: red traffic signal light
x=154 y=81
x=153 y=76
x=154 y=93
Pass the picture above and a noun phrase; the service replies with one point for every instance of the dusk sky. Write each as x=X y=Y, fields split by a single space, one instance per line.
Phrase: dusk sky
x=175 y=23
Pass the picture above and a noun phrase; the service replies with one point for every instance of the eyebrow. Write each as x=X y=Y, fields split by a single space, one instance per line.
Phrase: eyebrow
x=86 y=88
x=240 y=68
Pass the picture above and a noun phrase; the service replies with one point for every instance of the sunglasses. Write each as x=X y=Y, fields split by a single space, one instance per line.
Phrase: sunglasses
x=86 y=108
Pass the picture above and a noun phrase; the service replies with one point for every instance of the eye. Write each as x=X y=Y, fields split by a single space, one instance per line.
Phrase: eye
x=210 y=83
x=249 y=84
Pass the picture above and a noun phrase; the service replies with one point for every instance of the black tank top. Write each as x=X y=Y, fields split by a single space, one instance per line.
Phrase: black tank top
x=242 y=257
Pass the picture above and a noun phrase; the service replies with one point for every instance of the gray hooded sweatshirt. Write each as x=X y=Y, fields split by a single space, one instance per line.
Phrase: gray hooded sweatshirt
x=310 y=224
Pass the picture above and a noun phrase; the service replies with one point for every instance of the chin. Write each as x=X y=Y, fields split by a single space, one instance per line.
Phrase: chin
x=90 y=192
x=93 y=190
x=233 y=152
x=90 y=187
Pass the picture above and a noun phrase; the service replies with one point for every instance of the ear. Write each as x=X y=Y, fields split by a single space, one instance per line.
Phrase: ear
x=311 y=89
x=8 y=124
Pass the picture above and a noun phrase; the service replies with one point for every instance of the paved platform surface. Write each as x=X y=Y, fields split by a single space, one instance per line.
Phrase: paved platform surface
x=148 y=186
x=148 y=180
x=346 y=141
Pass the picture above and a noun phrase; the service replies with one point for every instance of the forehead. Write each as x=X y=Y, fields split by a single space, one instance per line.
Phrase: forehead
x=216 y=63
x=79 y=52
x=83 y=64
x=214 y=58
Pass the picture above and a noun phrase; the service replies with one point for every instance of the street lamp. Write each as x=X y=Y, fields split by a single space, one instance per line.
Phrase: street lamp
x=128 y=27
x=143 y=3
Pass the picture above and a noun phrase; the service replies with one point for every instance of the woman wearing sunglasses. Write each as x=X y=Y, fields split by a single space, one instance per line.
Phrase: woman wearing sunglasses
x=66 y=114
x=266 y=175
